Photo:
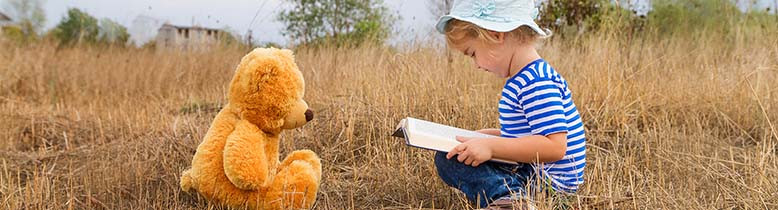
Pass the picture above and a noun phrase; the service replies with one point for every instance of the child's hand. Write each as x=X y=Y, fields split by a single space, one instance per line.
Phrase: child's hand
x=472 y=151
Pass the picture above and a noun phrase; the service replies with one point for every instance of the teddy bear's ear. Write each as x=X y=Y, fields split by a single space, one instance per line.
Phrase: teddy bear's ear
x=254 y=69
x=286 y=55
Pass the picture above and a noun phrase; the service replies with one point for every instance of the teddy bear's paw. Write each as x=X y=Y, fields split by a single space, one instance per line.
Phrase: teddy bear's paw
x=306 y=156
x=294 y=187
x=187 y=184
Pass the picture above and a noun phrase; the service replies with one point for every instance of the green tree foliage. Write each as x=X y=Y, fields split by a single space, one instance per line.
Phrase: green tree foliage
x=13 y=33
x=112 y=32
x=80 y=27
x=439 y=7
x=666 y=18
x=674 y=16
x=338 y=21
x=228 y=38
x=701 y=19
x=28 y=16
x=579 y=14
x=77 y=27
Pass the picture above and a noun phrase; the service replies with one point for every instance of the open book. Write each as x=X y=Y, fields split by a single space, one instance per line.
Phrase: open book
x=434 y=136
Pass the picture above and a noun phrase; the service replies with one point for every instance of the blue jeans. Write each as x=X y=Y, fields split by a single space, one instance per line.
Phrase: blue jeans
x=487 y=182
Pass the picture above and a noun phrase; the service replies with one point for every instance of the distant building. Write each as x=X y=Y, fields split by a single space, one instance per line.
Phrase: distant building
x=4 y=21
x=184 y=37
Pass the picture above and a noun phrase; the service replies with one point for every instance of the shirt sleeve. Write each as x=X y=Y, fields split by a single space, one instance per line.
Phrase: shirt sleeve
x=541 y=101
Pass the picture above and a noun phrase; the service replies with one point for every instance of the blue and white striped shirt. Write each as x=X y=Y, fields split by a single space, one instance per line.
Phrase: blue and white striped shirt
x=537 y=101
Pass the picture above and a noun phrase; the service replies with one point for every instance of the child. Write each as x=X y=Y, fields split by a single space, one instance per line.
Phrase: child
x=540 y=125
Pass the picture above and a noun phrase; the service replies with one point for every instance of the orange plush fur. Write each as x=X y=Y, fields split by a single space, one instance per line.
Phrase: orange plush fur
x=237 y=163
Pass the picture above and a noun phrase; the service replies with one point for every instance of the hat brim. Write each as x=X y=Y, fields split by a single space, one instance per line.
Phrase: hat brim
x=490 y=25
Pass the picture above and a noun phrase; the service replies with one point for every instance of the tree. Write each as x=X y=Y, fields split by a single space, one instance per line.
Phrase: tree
x=560 y=13
x=77 y=27
x=336 y=20
x=676 y=17
x=12 y=33
x=112 y=32
x=227 y=37
x=28 y=14
x=80 y=27
x=440 y=7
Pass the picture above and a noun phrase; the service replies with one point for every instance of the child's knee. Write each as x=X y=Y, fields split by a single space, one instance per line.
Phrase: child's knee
x=442 y=162
x=451 y=169
x=446 y=168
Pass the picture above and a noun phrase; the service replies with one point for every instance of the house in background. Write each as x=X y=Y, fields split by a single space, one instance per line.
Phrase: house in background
x=184 y=37
x=4 y=21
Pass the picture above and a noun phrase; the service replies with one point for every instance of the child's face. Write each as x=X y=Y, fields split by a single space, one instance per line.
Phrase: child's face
x=491 y=57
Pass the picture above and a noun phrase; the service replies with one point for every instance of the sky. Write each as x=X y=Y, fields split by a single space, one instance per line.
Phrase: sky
x=143 y=17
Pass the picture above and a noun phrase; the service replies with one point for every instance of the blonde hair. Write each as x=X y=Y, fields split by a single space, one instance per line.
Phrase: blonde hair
x=458 y=32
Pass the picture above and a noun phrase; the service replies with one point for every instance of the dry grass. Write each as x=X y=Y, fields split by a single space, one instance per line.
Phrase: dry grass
x=671 y=123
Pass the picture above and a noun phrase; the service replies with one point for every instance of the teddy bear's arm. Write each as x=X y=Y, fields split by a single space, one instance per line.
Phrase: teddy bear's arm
x=245 y=161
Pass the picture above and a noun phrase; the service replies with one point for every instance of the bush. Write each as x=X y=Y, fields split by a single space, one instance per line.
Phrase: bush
x=13 y=33
x=567 y=17
x=695 y=18
x=80 y=27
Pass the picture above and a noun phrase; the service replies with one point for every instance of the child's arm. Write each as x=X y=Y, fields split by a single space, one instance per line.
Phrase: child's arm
x=528 y=149
x=490 y=131
x=540 y=98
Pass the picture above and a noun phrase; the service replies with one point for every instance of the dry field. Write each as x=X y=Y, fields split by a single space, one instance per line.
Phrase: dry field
x=672 y=123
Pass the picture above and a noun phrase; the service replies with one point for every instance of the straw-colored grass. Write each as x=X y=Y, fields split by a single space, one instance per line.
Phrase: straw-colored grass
x=671 y=122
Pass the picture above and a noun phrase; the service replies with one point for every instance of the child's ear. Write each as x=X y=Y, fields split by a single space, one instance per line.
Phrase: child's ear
x=499 y=36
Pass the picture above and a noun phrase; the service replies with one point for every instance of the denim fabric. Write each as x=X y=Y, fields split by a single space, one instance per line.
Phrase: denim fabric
x=487 y=182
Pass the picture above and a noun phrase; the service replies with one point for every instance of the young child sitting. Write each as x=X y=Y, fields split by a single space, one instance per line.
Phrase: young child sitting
x=540 y=125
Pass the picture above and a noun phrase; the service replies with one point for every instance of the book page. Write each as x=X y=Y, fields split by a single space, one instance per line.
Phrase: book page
x=438 y=137
x=442 y=131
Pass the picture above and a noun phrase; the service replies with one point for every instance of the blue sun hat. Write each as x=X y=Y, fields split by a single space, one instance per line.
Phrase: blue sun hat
x=495 y=15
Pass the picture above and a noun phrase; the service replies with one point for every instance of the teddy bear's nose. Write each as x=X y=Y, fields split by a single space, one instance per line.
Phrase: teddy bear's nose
x=308 y=115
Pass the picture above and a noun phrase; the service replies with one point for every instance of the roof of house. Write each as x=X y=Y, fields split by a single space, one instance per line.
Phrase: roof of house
x=168 y=25
x=4 y=17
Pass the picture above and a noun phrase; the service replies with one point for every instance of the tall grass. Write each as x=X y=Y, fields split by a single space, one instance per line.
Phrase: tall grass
x=672 y=122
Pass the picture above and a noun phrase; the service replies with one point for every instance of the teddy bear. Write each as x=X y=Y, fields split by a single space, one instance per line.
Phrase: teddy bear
x=237 y=164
